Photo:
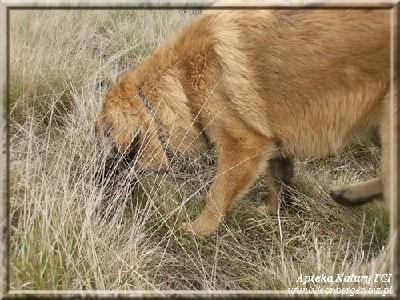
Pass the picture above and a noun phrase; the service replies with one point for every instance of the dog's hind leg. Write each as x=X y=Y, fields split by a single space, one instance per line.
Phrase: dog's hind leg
x=279 y=179
x=375 y=136
x=364 y=192
x=240 y=161
x=358 y=193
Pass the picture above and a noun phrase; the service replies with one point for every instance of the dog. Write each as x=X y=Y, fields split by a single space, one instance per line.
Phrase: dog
x=261 y=87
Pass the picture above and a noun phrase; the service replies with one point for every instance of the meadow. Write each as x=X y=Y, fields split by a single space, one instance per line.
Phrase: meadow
x=67 y=232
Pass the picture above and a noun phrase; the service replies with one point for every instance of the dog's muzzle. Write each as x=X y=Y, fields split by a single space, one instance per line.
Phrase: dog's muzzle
x=116 y=165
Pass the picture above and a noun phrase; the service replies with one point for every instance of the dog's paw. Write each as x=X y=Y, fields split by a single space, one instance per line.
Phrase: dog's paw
x=201 y=226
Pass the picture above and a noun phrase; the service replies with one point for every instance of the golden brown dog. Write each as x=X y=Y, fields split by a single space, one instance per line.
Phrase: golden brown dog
x=261 y=86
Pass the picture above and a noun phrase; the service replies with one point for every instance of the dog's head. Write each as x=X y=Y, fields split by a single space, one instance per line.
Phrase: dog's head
x=125 y=123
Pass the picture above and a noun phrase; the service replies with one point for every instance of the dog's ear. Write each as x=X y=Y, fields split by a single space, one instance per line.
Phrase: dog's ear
x=152 y=155
x=124 y=117
x=133 y=127
x=118 y=121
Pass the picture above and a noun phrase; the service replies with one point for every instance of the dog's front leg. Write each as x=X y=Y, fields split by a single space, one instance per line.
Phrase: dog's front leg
x=240 y=161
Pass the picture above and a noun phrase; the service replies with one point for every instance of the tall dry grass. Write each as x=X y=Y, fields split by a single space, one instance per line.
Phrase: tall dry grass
x=66 y=233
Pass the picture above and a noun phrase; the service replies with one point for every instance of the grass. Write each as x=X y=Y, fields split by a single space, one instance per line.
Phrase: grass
x=65 y=234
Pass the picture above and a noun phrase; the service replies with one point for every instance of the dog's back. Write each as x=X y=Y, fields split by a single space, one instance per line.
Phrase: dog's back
x=311 y=78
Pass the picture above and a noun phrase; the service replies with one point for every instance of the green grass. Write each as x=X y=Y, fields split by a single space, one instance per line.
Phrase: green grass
x=66 y=235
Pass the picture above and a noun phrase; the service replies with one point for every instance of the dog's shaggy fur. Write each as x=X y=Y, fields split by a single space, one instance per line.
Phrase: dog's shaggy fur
x=262 y=87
